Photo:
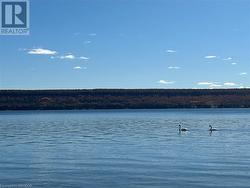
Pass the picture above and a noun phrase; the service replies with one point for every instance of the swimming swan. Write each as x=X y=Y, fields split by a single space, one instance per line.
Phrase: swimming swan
x=182 y=129
x=211 y=128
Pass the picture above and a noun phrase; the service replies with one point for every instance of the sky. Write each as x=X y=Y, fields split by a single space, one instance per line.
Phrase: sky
x=130 y=44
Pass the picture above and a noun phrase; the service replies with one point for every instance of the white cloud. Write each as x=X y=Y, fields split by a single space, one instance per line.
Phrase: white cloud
x=69 y=56
x=84 y=58
x=215 y=85
x=173 y=67
x=229 y=84
x=41 y=51
x=170 y=51
x=243 y=73
x=233 y=63
x=211 y=85
x=228 y=59
x=205 y=83
x=77 y=67
x=92 y=34
x=210 y=56
x=165 y=82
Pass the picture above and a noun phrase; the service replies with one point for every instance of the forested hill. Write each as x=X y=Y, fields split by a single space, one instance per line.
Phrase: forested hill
x=123 y=98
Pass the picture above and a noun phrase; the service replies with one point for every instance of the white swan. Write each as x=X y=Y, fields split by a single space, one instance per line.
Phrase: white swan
x=211 y=128
x=182 y=129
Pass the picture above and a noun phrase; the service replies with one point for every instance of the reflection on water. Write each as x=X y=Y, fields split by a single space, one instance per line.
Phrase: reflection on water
x=125 y=148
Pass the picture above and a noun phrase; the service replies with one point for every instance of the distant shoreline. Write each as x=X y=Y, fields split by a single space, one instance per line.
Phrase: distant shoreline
x=88 y=99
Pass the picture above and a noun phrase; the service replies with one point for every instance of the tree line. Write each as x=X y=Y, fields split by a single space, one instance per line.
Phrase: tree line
x=123 y=99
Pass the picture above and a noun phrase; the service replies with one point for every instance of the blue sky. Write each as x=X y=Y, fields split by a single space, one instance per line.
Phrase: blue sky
x=130 y=44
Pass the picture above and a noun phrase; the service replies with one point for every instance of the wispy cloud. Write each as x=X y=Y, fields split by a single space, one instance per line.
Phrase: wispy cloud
x=92 y=34
x=205 y=83
x=215 y=85
x=165 y=82
x=243 y=73
x=227 y=59
x=211 y=85
x=173 y=67
x=41 y=51
x=77 y=67
x=22 y=49
x=84 y=58
x=87 y=42
x=76 y=33
x=170 y=51
x=210 y=56
x=69 y=56
x=233 y=63
x=53 y=54
x=229 y=84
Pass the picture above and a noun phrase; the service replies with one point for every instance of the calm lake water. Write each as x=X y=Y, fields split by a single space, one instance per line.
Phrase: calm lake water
x=125 y=148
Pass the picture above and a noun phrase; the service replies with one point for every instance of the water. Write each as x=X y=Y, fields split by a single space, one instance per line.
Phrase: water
x=125 y=148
